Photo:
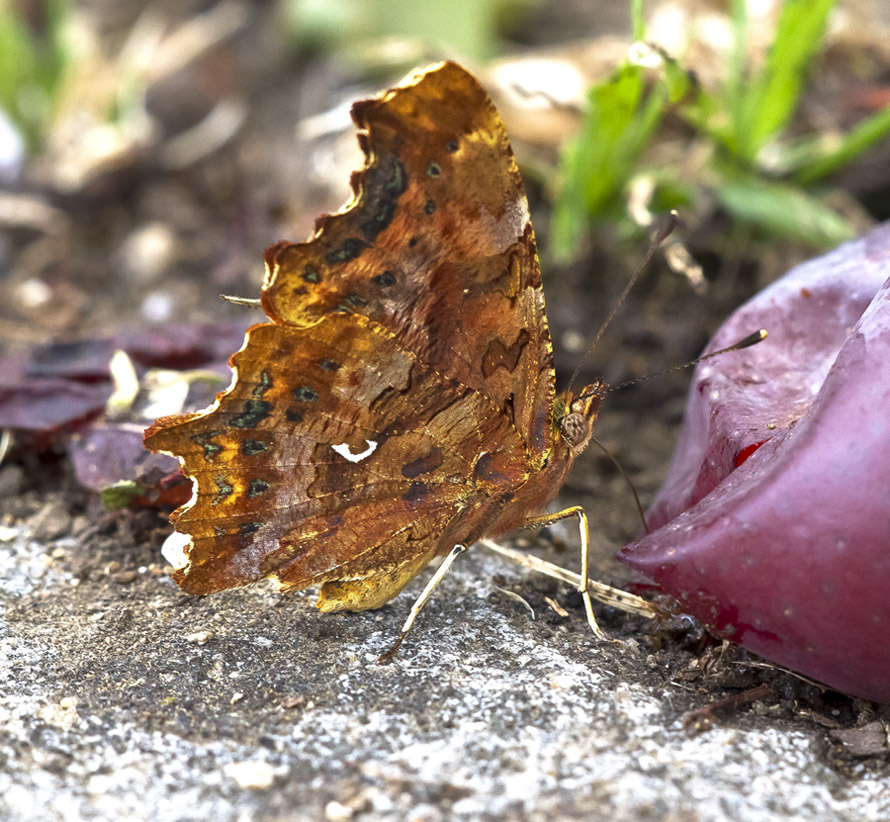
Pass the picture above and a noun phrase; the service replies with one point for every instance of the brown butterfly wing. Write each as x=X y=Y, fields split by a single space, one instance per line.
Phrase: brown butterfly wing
x=405 y=385
x=437 y=246
x=318 y=464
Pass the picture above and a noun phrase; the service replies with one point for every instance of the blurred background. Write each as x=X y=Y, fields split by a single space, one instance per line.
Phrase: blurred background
x=150 y=151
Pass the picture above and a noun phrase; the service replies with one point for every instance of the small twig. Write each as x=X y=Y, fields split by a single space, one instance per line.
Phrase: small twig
x=771 y=666
x=702 y=719
x=517 y=597
x=556 y=607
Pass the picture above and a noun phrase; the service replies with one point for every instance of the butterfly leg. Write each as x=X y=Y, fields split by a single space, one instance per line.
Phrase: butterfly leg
x=575 y=511
x=607 y=594
x=387 y=656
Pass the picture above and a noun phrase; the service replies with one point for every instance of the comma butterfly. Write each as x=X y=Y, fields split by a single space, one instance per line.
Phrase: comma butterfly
x=402 y=399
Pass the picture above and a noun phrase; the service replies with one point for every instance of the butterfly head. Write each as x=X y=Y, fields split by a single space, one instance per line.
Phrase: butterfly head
x=578 y=415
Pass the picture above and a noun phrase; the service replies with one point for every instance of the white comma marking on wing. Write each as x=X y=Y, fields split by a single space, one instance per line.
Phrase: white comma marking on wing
x=344 y=450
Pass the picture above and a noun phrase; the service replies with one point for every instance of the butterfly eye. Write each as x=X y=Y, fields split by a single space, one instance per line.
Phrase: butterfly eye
x=575 y=429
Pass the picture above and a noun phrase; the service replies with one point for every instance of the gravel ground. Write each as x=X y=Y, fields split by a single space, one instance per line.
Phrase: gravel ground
x=120 y=697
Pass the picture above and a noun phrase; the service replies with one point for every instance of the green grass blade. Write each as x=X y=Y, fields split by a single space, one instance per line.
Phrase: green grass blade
x=734 y=89
x=777 y=90
x=597 y=164
x=784 y=210
x=18 y=61
x=637 y=22
x=866 y=134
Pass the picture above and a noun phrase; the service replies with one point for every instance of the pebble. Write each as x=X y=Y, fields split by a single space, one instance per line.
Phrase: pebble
x=337 y=812
x=199 y=637
x=50 y=522
x=251 y=774
x=147 y=252
x=124 y=577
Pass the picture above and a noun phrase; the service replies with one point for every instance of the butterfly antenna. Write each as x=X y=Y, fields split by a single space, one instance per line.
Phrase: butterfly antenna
x=627 y=479
x=747 y=342
x=664 y=231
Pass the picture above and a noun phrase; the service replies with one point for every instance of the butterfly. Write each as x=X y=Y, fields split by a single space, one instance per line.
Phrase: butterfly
x=401 y=404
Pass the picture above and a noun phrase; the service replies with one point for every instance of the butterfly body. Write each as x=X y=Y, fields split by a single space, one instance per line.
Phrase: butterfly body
x=402 y=399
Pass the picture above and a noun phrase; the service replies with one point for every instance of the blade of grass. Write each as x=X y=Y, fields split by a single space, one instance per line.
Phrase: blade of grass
x=638 y=24
x=32 y=66
x=784 y=210
x=798 y=39
x=17 y=60
x=597 y=163
x=623 y=113
x=733 y=94
x=764 y=106
x=865 y=135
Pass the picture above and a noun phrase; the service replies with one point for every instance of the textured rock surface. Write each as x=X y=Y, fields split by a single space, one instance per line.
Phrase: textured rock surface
x=135 y=701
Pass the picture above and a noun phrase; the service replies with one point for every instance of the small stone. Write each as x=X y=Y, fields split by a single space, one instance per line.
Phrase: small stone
x=124 y=577
x=50 y=522
x=111 y=568
x=869 y=740
x=237 y=697
x=257 y=775
x=337 y=812
x=147 y=252
x=199 y=637
x=158 y=306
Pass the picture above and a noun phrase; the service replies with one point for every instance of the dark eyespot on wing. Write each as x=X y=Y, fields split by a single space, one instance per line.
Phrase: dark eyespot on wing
x=380 y=220
x=252 y=447
x=351 y=248
x=263 y=385
x=387 y=278
x=416 y=492
x=384 y=185
x=205 y=440
x=255 y=411
x=397 y=183
x=423 y=465
x=304 y=393
x=257 y=487
x=224 y=489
